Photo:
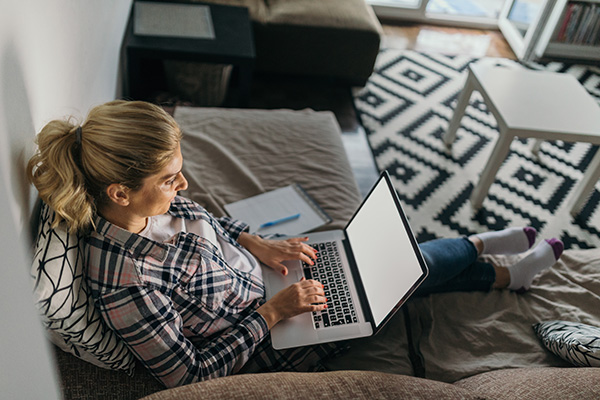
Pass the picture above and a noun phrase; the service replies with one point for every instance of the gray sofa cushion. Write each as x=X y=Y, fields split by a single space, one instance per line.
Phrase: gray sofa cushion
x=535 y=383
x=333 y=38
x=80 y=380
x=231 y=154
x=354 y=385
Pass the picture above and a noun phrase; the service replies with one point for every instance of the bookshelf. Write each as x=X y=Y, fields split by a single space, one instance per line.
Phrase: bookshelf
x=572 y=31
x=565 y=29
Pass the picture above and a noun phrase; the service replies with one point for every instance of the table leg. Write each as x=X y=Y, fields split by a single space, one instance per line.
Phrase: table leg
x=535 y=149
x=489 y=172
x=461 y=104
x=585 y=186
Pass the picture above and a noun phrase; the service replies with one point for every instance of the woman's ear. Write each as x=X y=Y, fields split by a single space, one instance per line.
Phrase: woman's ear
x=118 y=194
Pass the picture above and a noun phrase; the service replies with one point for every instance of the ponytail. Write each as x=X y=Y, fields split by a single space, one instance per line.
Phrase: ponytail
x=55 y=170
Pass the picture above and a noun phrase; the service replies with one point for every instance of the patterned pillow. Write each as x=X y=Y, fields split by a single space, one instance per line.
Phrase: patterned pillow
x=574 y=342
x=64 y=300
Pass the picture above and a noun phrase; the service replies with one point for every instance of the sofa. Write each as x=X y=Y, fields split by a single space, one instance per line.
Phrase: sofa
x=455 y=345
x=332 y=39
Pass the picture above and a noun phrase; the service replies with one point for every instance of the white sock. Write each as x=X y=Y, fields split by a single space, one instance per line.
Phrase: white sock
x=543 y=256
x=508 y=241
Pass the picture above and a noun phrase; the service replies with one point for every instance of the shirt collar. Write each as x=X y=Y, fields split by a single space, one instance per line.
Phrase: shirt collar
x=136 y=244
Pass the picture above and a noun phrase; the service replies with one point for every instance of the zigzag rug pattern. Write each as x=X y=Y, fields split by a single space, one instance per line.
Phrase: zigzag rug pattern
x=406 y=106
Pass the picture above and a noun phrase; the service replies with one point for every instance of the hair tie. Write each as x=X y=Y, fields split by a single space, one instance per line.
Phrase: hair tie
x=78 y=135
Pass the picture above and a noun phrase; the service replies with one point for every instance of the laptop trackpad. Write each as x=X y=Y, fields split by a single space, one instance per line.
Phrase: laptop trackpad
x=275 y=281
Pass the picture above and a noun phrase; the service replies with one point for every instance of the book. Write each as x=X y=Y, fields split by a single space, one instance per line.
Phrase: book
x=573 y=23
x=563 y=28
x=288 y=210
x=595 y=38
x=583 y=24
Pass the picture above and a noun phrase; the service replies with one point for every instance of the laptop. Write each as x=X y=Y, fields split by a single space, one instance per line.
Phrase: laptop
x=368 y=269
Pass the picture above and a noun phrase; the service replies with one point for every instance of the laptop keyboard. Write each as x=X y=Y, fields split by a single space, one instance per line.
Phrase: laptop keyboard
x=328 y=270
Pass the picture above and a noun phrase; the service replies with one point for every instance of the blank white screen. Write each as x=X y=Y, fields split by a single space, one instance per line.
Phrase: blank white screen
x=383 y=252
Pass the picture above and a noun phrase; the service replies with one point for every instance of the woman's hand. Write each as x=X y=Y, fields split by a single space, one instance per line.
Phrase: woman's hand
x=273 y=252
x=301 y=297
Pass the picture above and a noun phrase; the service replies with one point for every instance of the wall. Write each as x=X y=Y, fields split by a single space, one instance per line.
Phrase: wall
x=57 y=58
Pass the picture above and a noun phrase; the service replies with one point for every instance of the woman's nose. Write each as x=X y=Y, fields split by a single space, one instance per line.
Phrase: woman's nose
x=183 y=183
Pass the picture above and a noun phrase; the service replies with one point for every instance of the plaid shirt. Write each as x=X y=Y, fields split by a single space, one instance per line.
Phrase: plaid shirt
x=182 y=310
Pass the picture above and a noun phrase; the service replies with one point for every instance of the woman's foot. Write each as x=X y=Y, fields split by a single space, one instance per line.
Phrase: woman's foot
x=542 y=257
x=507 y=241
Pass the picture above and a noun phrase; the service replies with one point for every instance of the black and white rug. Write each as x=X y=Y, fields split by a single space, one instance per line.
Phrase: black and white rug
x=405 y=107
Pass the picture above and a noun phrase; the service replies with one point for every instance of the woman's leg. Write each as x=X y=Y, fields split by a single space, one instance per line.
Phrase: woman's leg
x=453 y=266
x=507 y=241
x=518 y=277
x=502 y=274
x=543 y=256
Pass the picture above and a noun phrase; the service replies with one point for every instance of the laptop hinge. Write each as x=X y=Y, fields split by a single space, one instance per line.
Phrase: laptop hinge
x=362 y=296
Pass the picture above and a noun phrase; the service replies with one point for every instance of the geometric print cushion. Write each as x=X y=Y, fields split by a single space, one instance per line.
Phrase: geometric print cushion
x=574 y=342
x=64 y=300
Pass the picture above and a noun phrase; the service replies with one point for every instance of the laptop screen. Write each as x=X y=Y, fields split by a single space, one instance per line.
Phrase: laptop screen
x=387 y=260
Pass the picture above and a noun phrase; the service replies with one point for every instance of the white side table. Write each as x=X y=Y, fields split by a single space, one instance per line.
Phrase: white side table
x=530 y=104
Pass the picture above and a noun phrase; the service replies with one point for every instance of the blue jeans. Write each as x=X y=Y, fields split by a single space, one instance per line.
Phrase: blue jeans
x=453 y=267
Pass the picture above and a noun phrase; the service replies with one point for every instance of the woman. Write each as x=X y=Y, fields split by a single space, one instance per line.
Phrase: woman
x=183 y=289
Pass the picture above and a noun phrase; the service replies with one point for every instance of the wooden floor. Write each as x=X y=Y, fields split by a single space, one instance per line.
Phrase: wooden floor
x=457 y=40
x=269 y=92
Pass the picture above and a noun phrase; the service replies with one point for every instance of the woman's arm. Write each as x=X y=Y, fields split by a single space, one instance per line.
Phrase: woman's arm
x=153 y=330
x=233 y=226
x=301 y=297
x=146 y=320
x=304 y=296
x=273 y=252
x=270 y=252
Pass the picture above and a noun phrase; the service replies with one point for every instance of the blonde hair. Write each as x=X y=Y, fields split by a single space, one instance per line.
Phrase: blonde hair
x=119 y=142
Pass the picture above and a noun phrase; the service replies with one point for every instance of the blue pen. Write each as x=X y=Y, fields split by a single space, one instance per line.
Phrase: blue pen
x=279 y=221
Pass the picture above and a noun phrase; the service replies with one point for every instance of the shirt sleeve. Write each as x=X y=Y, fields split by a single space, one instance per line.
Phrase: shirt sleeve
x=233 y=226
x=146 y=320
x=193 y=210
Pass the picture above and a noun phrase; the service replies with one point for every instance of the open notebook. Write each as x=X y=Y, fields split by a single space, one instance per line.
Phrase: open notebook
x=288 y=210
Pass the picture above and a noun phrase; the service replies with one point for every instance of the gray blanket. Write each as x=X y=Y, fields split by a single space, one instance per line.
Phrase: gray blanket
x=233 y=154
x=462 y=334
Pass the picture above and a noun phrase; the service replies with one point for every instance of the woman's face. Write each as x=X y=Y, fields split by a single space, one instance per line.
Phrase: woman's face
x=159 y=190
